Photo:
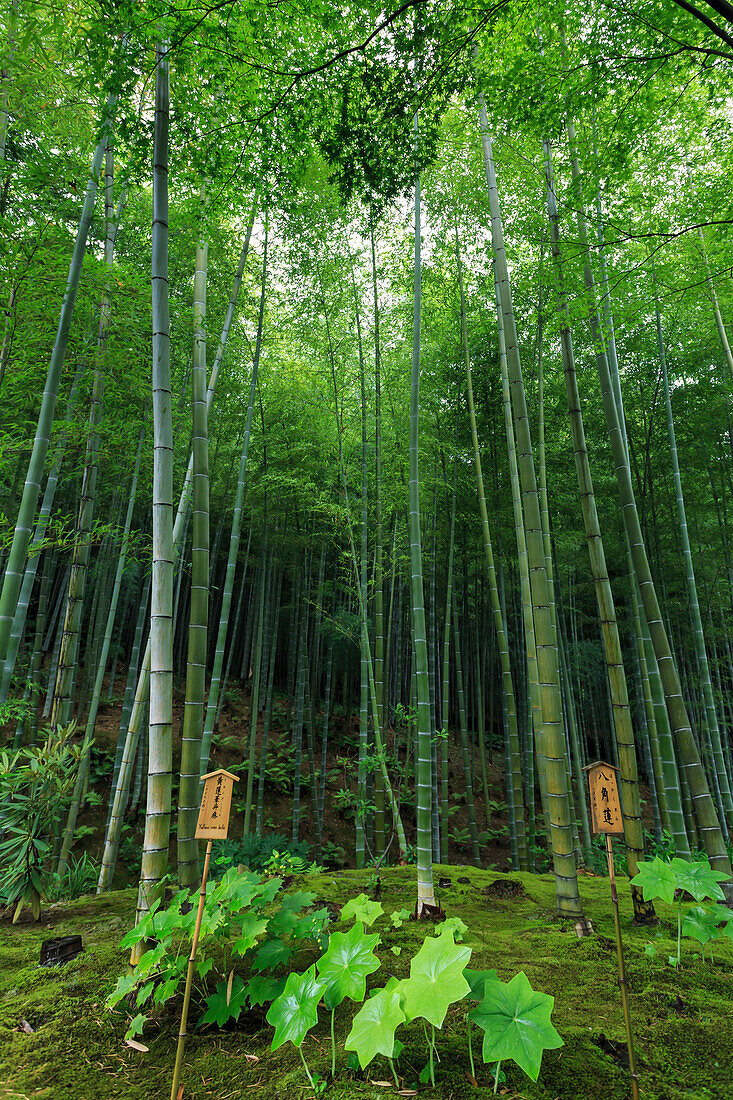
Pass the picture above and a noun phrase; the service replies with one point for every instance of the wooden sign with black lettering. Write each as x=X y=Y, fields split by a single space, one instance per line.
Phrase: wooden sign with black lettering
x=216 y=803
x=605 y=804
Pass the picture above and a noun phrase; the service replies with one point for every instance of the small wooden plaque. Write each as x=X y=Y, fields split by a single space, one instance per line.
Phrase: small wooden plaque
x=605 y=804
x=216 y=803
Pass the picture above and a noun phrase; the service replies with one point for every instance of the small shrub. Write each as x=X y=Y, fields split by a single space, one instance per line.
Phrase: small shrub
x=255 y=852
x=36 y=785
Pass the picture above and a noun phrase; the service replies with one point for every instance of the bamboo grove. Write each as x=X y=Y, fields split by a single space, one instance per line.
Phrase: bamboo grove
x=420 y=446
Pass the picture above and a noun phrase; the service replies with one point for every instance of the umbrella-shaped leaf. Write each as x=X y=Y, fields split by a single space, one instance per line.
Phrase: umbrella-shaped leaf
x=701 y=924
x=361 y=908
x=656 y=879
x=436 y=978
x=344 y=968
x=698 y=879
x=295 y=1011
x=516 y=1022
x=373 y=1027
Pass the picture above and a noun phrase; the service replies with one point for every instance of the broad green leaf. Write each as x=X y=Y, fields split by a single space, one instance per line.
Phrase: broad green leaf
x=698 y=879
x=125 y=984
x=361 y=908
x=457 y=927
x=295 y=1011
x=252 y=928
x=399 y=916
x=311 y=925
x=166 y=990
x=299 y=899
x=656 y=879
x=344 y=968
x=701 y=924
x=136 y=1026
x=436 y=978
x=373 y=1027
x=225 y=1004
x=262 y=988
x=516 y=1022
x=272 y=953
x=476 y=979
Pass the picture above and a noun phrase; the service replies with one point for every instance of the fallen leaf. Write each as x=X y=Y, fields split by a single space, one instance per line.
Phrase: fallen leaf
x=382 y=1084
x=472 y=1080
x=179 y=1095
x=229 y=987
x=252 y=1057
x=137 y=1046
x=26 y=1027
x=407 y=1092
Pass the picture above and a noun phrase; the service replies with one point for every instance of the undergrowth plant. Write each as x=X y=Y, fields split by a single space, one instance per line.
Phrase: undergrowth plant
x=240 y=923
x=669 y=881
x=515 y=1018
x=36 y=785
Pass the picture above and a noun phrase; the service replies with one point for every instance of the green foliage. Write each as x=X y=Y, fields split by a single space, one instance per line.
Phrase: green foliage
x=656 y=879
x=362 y=909
x=669 y=880
x=436 y=978
x=347 y=963
x=516 y=1023
x=295 y=1011
x=79 y=878
x=237 y=921
x=256 y=852
x=373 y=1028
x=36 y=785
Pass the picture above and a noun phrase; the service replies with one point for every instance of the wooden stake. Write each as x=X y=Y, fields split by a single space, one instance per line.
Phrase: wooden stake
x=213 y=824
x=189 y=975
x=622 y=970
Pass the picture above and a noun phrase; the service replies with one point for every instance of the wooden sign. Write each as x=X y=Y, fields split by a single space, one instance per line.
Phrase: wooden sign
x=216 y=803
x=605 y=804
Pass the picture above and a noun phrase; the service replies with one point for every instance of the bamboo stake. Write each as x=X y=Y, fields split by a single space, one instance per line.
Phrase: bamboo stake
x=189 y=974
x=621 y=971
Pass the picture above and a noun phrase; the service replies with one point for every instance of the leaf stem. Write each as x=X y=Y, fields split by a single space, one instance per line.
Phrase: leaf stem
x=430 y=1053
x=470 y=1050
x=305 y=1066
x=394 y=1072
x=496 y=1077
x=333 y=1045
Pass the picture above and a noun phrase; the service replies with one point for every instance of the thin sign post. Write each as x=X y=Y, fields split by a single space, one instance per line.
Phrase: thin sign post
x=213 y=824
x=606 y=816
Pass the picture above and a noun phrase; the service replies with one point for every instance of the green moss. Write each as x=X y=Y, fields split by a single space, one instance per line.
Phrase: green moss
x=76 y=1049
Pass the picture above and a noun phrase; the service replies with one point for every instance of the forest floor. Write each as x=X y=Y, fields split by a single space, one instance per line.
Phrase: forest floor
x=59 y=1042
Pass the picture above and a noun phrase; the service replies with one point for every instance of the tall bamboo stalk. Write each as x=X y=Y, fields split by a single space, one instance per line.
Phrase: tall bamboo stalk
x=624 y=733
x=193 y=711
x=423 y=777
x=83 y=769
x=13 y=576
x=553 y=741
x=510 y=705
x=160 y=737
x=689 y=758
x=725 y=802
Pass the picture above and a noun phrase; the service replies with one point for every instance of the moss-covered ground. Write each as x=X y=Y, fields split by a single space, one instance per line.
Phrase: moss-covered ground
x=683 y=1021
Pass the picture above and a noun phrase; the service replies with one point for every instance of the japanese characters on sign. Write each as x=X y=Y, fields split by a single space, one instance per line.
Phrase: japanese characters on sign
x=216 y=801
x=605 y=804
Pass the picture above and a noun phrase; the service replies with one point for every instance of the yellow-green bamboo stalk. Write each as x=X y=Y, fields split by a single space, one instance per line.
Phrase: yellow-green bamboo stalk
x=558 y=800
x=193 y=712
